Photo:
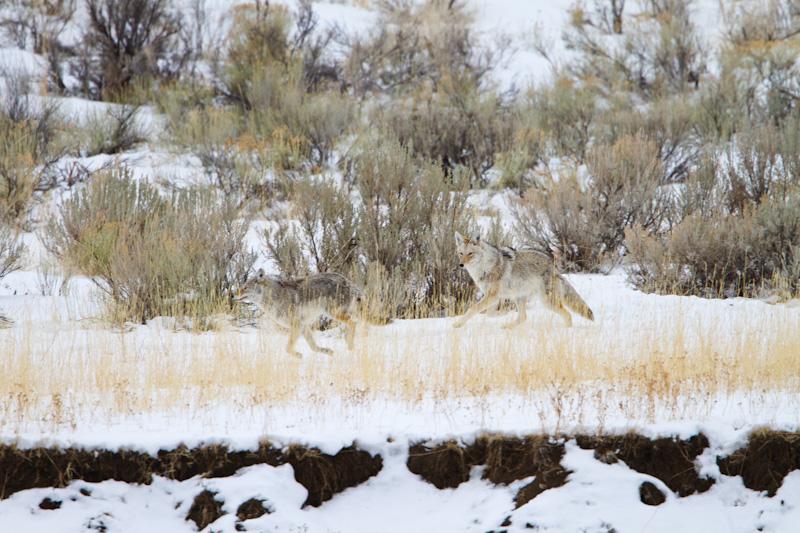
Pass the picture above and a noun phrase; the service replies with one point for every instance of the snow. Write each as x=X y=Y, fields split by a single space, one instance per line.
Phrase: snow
x=598 y=497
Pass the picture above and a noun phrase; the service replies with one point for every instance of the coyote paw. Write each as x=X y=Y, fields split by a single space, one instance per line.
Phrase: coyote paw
x=458 y=324
x=327 y=351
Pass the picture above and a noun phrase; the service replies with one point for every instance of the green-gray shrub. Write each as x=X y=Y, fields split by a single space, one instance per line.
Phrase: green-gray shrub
x=415 y=43
x=582 y=224
x=567 y=113
x=325 y=236
x=457 y=124
x=736 y=227
x=31 y=143
x=398 y=242
x=145 y=251
x=12 y=250
x=669 y=123
x=658 y=54
x=111 y=132
x=722 y=254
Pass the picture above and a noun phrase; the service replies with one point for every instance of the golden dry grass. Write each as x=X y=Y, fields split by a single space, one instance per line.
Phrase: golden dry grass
x=638 y=366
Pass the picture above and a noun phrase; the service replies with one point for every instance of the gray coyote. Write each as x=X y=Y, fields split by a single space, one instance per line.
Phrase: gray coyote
x=296 y=304
x=504 y=273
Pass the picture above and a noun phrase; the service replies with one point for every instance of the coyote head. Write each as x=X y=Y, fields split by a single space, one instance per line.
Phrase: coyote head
x=251 y=289
x=469 y=250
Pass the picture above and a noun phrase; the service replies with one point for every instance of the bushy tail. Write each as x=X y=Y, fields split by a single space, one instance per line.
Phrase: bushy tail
x=573 y=301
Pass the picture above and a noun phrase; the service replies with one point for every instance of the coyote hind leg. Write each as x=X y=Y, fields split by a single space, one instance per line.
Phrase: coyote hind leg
x=557 y=306
x=350 y=326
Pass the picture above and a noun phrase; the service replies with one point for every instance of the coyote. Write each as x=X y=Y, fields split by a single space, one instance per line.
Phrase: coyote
x=296 y=304
x=505 y=273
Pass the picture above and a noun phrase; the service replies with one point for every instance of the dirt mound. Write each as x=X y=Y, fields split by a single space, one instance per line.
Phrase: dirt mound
x=763 y=464
x=506 y=459
x=768 y=457
x=205 y=509
x=51 y=467
x=325 y=475
x=668 y=459
x=322 y=475
x=252 y=508
x=649 y=494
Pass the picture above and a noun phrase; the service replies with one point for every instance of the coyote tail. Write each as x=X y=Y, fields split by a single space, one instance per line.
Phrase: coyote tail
x=573 y=300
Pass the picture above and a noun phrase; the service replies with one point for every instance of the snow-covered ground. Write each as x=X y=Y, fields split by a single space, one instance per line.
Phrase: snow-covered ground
x=331 y=415
x=324 y=402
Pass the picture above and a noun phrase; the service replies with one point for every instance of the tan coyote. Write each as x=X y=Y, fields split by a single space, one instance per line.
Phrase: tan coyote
x=504 y=273
x=296 y=304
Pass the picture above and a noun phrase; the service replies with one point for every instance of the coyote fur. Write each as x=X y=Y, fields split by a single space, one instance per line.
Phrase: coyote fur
x=504 y=273
x=296 y=304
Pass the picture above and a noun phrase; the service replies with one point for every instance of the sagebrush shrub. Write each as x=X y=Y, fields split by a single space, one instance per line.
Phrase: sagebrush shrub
x=669 y=123
x=761 y=55
x=417 y=42
x=126 y=39
x=567 y=113
x=397 y=239
x=324 y=238
x=267 y=114
x=281 y=100
x=32 y=140
x=111 y=132
x=722 y=254
x=737 y=223
x=582 y=222
x=761 y=162
x=146 y=251
x=12 y=250
x=658 y=53
x=457 y=124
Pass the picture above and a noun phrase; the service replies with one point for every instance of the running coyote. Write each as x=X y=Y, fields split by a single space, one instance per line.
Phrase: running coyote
x=504 y=273
x=296 y=304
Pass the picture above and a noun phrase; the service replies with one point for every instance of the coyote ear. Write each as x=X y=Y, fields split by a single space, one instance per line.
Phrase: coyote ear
x=477 y=238
x=459 y=239
x=260 y=274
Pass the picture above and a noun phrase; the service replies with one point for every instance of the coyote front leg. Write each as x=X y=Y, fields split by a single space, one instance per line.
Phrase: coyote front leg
x=488 y=300
x=306 y=332
x=521 y=313
x=294 y=333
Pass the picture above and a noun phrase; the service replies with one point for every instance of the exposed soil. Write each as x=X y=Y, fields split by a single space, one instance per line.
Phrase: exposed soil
x=323 y=475
x=205 y=509
x=506 y=459
x=252 y=508
x=763 y=463
x=50 y=505
x=670 y=460
x=768 y=457
x=649 y=494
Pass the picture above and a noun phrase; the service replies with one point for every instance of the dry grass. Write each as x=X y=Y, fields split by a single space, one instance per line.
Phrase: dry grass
x=630 y=367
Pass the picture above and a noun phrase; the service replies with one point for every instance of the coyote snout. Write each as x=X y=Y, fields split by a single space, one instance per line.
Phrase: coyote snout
x=296 y=304
x=504 y=273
